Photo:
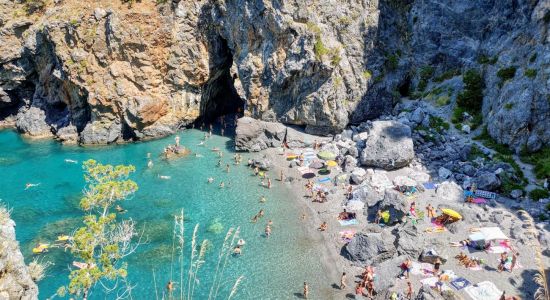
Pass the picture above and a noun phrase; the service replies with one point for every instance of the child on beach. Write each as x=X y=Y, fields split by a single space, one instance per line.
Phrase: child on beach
x=430 y=211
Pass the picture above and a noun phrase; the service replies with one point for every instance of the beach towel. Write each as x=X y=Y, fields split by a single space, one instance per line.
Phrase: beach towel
x=479 y=201
x=485 y=194
x=476 y=268
x=498 y=249
x=485 y=290
x=460 y=283
x=348 y=222
x=424 y=269
x=429 y=185
x=431 y=281
x=322 y=180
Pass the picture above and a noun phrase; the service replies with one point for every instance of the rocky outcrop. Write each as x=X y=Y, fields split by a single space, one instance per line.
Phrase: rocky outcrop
x=15 y=280
x=370 y=248
x=125 y=72
x=254 y=135
x=387 y=145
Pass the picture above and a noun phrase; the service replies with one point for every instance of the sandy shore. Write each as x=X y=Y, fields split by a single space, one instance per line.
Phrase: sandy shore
x=330 y=243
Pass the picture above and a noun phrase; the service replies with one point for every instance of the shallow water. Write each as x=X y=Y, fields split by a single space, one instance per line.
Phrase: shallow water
x=273 y=268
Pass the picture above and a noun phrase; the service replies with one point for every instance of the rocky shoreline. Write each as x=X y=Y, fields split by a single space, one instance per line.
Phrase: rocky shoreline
x=15 y=279
x=372 y=180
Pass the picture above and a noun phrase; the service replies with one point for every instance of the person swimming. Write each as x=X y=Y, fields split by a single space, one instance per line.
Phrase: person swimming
x=71 y=161
x=198 y=155
x=222 y=184
x=201 y=143
x=150 y=164
x=164 y=177
x=210 y=179
x=30 y=185
x=119 y=209
x=237 y=250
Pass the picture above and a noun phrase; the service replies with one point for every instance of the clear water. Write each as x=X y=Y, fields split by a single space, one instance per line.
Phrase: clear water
x=273 y=268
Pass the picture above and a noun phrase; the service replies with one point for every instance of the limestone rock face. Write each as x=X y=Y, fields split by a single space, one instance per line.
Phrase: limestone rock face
x=388 y=145
x=15 y=282
x=370 y=248
x=255 y=135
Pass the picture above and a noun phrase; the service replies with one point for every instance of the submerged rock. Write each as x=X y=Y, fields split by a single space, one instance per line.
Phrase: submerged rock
x=388 y=145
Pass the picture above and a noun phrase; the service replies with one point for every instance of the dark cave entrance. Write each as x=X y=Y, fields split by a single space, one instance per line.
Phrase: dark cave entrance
x=405 y=87
x=219 y=96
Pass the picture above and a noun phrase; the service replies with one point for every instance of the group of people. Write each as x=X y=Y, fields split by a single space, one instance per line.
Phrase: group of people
x=366 y=283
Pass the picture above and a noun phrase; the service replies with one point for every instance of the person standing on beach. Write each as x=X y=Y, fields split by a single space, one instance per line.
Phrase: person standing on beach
x=268 y=183
x=409 y=290
x=514 y=260
x=430 y=211
x=281 y=176
x=306 y=290
x=343 y=284
x=227 y=168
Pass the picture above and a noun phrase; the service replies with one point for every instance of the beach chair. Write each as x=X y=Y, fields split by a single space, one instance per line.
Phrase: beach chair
x=485 y=194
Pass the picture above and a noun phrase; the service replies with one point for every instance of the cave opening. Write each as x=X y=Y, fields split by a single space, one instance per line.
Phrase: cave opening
x=405 y=87
x=219 y=96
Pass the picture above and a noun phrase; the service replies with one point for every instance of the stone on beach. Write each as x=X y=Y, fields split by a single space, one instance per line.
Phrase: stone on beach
x=388 y=145
x=255 y=135
x=370 y=248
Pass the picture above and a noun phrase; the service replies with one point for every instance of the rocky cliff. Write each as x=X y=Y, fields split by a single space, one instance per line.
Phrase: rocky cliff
x=15 y=280
x=111 y=71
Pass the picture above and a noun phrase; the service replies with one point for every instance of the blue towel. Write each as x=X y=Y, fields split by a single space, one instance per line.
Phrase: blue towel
x=348 y=222
x=460 y=283
x=429 y=185
x=326 y=179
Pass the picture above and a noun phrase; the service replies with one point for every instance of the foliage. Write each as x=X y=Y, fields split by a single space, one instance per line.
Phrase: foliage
x=426 y=74
x=392 y=61
x=530 y=73
x=314 y=28
x=471 y=99
x=546 y=17
x=319 y=48
x=102 y=242
x=438 y=124
x=443 y=100
x=447 y=75
x=367 y=74
x=37 y=269
x=504 y=154
x=538 y=194
x=533 y=57
x=32 y=6
x=540 y=160
x=484 y=59
x=509 y=106
x=509 y=184
x=507 y=73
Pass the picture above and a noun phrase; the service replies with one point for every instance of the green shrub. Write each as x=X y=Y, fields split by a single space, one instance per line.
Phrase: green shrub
x=508 y=184
x=484 y=59
x=314 y=28
x=367 y=74
x=32 y=6
x=489 y=142
x=443 y=100
x=438 y=124
x=508 y=106
x=531 y=73
x=471 y=99
x=507 y=73
x=546 y=17
x=547 y=206
x=540 y=160
x=538 y=194
x=456 y=117
x=319 y=48
x=533 y=57
x=447 y=75
x=392 y=61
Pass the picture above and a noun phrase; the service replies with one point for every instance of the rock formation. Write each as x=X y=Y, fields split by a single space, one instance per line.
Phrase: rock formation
x=15 y=280
x=113 y=71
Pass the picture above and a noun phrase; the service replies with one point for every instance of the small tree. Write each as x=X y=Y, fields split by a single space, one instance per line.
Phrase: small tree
x=103 y=241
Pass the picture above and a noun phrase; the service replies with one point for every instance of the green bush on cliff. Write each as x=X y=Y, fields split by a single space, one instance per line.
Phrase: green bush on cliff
x=392 y=61
x=540 y=160
x=530 y=73
x=471 y=99
x=319 y=48
x=538 y=194
x=507 y=73
x=484 y=59
x=447 y=75
x=32 y=6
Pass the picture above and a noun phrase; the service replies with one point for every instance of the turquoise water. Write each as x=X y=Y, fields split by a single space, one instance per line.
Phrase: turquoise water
x=273 y=268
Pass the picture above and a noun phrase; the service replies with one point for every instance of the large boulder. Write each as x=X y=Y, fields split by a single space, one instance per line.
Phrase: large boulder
x=254 y=135
x=100 y=133
x=33 y=123
x=409 y=241
x=449 y=191
x=358 y=175
x=299 y=139
x=370 y=248
x=487 y=181
x=388 y=145
x=387 y=273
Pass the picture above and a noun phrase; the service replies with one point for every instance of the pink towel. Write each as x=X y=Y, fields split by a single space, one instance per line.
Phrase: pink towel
x=479 y=201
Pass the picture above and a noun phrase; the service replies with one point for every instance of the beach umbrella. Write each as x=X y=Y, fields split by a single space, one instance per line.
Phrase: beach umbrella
x=451 y=213
x=331 y=163
x=308 y=175
x=316 y=165
x=326 y=155
x=324 y=171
